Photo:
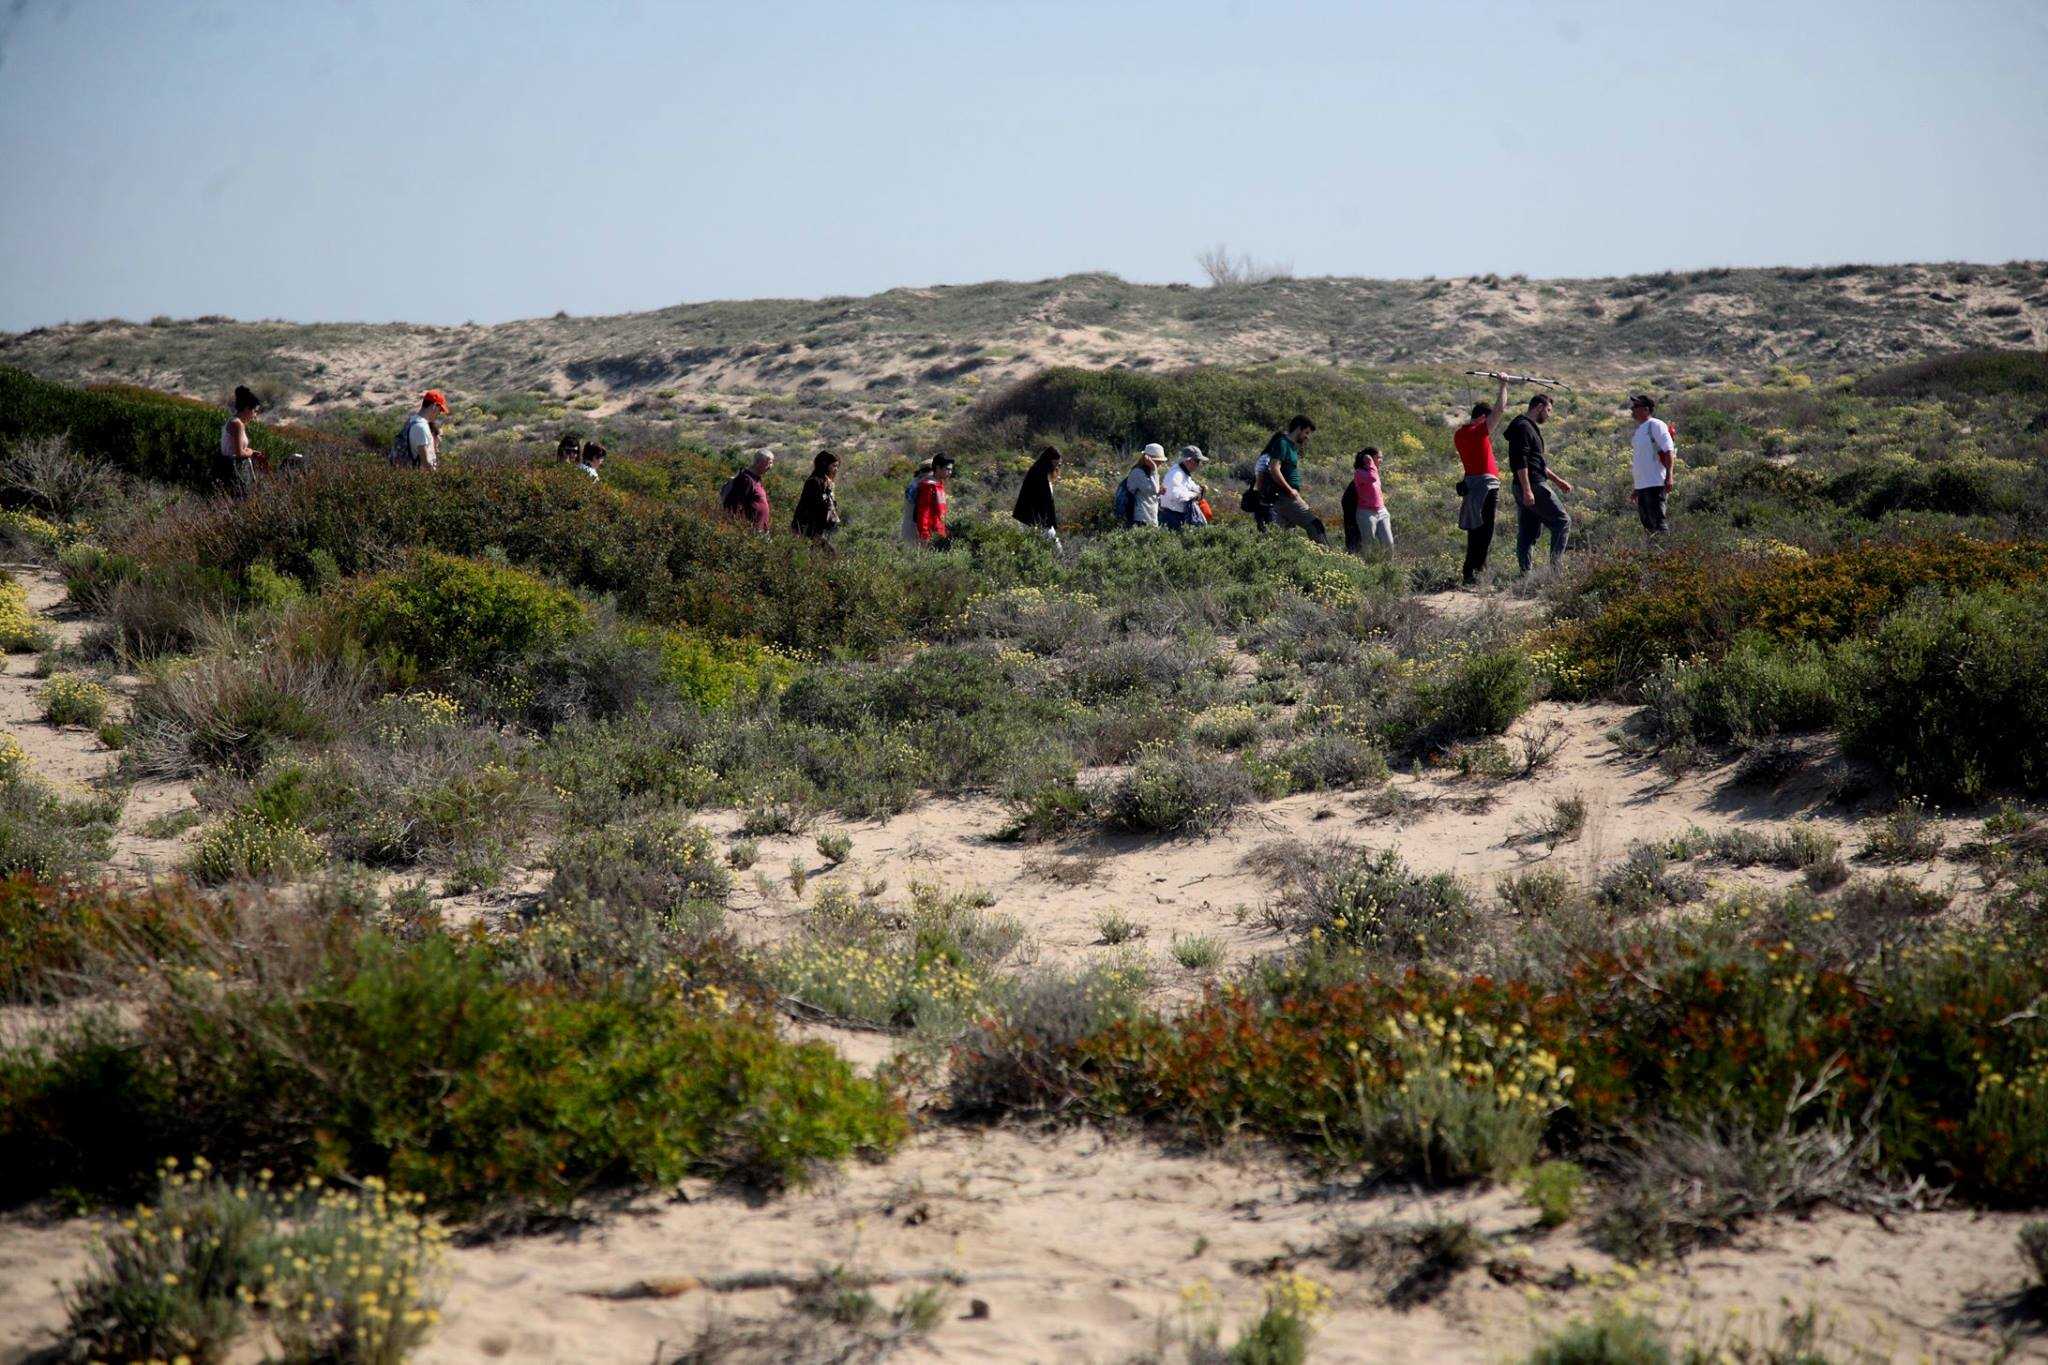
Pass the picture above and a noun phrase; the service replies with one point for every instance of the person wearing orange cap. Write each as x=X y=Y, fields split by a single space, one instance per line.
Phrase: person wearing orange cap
x=418 y=444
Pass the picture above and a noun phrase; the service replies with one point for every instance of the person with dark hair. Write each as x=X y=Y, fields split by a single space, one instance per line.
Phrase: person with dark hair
x=593 y=459
x=1654 y=458
x=1537 y=508
x=1365 y=505
x=745 y=495
x=1035 y=507
x=931 y=505
x=817 y=507
x=1280 y=479
x=1480 y=484
x=235 y=467
x=568 y=448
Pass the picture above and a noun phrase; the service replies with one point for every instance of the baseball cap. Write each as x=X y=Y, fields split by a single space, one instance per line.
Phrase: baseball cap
x=435 y=398
x=1643 y=400
x=1192 y=453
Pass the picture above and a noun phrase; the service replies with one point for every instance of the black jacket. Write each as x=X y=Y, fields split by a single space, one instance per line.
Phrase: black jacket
x=817 y=509
x=1034 y=502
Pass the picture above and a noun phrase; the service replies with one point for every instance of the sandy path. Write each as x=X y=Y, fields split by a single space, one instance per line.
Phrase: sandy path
x=74 y=760
x=1080 y=1245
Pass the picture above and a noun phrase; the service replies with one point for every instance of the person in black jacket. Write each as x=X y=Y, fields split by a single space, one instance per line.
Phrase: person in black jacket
x=1034 y=500
x=1537 y=507
x=817 y=507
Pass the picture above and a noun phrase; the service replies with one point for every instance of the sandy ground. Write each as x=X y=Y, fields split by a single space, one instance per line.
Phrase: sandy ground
x=1083 y=1245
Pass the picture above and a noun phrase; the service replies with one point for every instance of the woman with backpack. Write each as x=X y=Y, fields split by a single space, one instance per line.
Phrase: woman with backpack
x=817 y=507
x=1034 y=500
x=1137 y=497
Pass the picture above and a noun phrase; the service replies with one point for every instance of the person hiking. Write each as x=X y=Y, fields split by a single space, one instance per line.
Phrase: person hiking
x=1136 y=502
x=817 y=507
x=418 y=443
x=592 y=460
x=1281 y=479
x=1180 y=502
x=235 y=466
x=908 y=530
x=1035 y=507
x=1652 y=463
x=745 y=496
x=1536 y=506
x=1480 y=484
x=568 y=449
x=1365 y=505
x=931 y=504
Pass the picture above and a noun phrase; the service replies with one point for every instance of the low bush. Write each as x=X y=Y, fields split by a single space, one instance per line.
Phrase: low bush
x=238 y=710
x=1554 y=1189
x=1907 y=835
x=68 y=699
x=658 y=866
x=441 y=614
x=1612 y=1337
x=251 y=844
x=1944 y=696
x=1171 y=792
x=52 y=933
x=1473 y=695
x=1760 y=688
x=1648 y=880
x=42 y=834
x=1369 y=901
x=419 y=1062
x=21 y=630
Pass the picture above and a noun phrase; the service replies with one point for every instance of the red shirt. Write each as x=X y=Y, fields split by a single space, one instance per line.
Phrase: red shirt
x=931 y=510
x=1475 y=448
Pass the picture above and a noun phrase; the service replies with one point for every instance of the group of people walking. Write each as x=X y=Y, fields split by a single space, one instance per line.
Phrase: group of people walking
x=1156 y=492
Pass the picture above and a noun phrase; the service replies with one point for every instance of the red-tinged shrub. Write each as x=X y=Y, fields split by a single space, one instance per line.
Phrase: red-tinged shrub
x=1629 y=614
x=50 y=933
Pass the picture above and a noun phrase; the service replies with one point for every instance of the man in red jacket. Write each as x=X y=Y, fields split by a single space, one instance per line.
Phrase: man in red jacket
x=931 y=504
x=746 y=495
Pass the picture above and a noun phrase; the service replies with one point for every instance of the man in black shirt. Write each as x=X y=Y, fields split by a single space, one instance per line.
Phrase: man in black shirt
x=1536 y=507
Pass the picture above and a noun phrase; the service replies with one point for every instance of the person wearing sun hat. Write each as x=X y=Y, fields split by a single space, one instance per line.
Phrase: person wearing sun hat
x=1178 y=508
x=1137 y=499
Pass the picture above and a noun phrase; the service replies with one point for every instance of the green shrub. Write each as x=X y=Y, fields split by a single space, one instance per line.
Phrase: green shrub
x=1371 y=901
x=659 y=866
x=1197 y=952
x=237 y=711
x=152 y=435
x=252 y=844
x=419 y=1062
x=1907 y=835
x=444 y=614
x=2034 y=1249
x=1554 y=1188
x=1613 y=1337
x=715 y=673
x=1475 y=694
x=1761 y=687
x=1945 y=696
x=45 y=835
x=68 y=699
x=1980 y=373
x=1170 y=792
x=334 y=1273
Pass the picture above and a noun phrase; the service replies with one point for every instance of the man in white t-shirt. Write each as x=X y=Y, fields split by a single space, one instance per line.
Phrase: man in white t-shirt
x=1651 y=464
x=421 y=441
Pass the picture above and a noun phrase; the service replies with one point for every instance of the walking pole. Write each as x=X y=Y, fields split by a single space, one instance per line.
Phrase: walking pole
x=1522 y=379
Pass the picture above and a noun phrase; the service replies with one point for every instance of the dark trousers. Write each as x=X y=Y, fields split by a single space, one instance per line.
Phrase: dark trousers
x=236 y=478
x=1650 y=506
x=1530 y=523
x=1479 y=539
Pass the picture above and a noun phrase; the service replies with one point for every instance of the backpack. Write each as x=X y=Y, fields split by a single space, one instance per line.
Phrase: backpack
x=402 y=454
x=729 y=496
x=1124 y=506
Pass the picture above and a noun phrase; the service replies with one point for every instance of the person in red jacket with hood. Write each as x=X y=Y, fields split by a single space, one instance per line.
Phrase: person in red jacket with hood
x=931 y=504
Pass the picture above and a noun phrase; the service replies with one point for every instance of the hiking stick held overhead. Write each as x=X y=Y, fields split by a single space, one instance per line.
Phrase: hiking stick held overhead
x=1522 y=379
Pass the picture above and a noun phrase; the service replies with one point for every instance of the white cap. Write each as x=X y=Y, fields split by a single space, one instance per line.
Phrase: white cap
x=1154 y=451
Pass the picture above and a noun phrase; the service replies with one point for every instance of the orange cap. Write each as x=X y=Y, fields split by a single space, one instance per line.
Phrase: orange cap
x=434 y=398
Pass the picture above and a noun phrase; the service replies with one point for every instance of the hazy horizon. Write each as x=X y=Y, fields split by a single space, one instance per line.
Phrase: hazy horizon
x=444 y=163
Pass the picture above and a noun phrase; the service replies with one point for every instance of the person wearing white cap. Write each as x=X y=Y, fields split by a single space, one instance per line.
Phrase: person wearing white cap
x=1179 y=500
x=1137 y=498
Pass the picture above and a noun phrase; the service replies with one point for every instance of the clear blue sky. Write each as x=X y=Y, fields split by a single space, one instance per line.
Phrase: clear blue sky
x=443 y=162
